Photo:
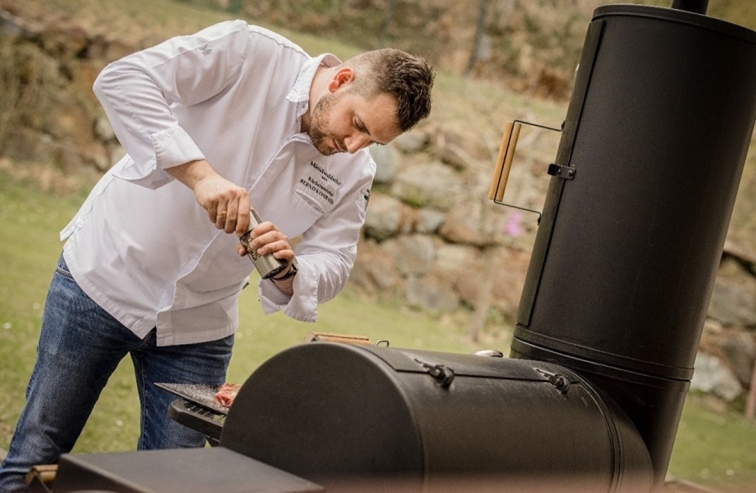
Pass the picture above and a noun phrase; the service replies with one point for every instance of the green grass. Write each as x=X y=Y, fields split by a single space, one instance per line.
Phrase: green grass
x=715 y=447
x=712 y=448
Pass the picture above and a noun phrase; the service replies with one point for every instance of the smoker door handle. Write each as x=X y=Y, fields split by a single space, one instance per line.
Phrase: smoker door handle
x=504 y=161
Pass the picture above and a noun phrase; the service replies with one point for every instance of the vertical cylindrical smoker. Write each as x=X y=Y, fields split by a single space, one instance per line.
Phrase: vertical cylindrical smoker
x=626 y=255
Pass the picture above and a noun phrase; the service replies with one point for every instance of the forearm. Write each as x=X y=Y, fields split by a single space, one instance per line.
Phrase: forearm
x=191 y=173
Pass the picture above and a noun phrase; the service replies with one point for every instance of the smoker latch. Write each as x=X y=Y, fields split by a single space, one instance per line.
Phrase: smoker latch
x=560 y=382
x=566 y=172
x=443 y=375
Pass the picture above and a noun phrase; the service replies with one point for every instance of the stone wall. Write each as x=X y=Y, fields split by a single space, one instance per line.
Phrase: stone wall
x=48 y=111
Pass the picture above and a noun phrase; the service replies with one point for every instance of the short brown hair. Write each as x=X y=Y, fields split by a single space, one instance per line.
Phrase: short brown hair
x=408 y=78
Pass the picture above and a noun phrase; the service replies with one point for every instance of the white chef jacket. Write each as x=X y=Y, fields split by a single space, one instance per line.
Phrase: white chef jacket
x=144 y=249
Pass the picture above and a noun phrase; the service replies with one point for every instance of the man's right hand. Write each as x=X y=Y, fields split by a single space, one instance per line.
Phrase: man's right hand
x=226 y=203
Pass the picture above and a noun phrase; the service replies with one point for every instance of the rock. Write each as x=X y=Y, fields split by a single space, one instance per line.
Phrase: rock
x=509 y=268
x=66 y=124
x=712 y=327
x=374 y=269
x=116 y=49
x=117 y=152
x=84 y=74
x=456 y=150
x=384 y=216
x=68 y=159
x=463 y=231
x=429 y=220
x=12 y=26
x=385 y=162
x=65 y=40
x=96 y=154
x=453 y=261
x=455 y=156
x=97 y=47
x=744 y=252
x=413 y=254
x=711 y=376
x=733 y=303
x=103 y=130
x=25 y=144
x=411 y=142
x=430 y=294
x=739 y=349
x=427 y=185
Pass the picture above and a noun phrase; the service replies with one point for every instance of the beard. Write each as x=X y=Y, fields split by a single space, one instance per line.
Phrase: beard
x=319 y=121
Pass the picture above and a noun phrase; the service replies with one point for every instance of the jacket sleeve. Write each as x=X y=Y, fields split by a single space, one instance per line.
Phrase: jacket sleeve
x=137 y=93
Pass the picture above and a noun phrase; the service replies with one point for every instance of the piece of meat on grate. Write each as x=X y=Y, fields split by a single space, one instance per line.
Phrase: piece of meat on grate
x=227 y=393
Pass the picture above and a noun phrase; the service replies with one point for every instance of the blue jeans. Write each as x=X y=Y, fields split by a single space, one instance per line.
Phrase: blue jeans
x=80 y=345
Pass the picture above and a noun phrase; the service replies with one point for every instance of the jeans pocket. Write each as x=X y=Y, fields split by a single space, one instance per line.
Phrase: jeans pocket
x=62 y=268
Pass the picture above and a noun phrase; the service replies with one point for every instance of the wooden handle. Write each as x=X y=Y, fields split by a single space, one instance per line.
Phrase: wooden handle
x=504 y=161
x=345 y=338
x=45 y=473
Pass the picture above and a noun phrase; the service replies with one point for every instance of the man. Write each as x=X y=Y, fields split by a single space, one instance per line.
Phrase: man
x=231 y=117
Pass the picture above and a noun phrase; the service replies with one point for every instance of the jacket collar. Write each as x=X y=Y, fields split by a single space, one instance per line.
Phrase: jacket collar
x=300 y=93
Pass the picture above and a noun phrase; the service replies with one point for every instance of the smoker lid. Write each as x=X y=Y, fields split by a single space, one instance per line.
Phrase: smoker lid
x=679 y=16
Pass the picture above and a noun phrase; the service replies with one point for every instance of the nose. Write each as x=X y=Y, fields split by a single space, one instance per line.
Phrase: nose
x=356 y=141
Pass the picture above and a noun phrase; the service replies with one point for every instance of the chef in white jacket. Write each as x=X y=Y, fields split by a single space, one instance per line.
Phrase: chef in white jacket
x=232 y=117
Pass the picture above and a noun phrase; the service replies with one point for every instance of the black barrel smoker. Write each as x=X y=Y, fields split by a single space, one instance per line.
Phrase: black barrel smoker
x=355 y=417
x=610 y=318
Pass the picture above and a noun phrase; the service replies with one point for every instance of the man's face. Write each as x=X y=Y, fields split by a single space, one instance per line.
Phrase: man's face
x=344 y=121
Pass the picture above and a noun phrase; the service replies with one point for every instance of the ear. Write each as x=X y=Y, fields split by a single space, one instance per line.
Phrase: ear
x=342 y=78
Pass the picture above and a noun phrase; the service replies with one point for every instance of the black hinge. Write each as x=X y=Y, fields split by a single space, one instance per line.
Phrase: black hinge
x=443 y=375
x=560 y=382
x=566 y=172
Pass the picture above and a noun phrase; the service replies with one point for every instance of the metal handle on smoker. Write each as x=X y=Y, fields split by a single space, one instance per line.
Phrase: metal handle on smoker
x=504 y=161
x=504 y=164
x=267 y=265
